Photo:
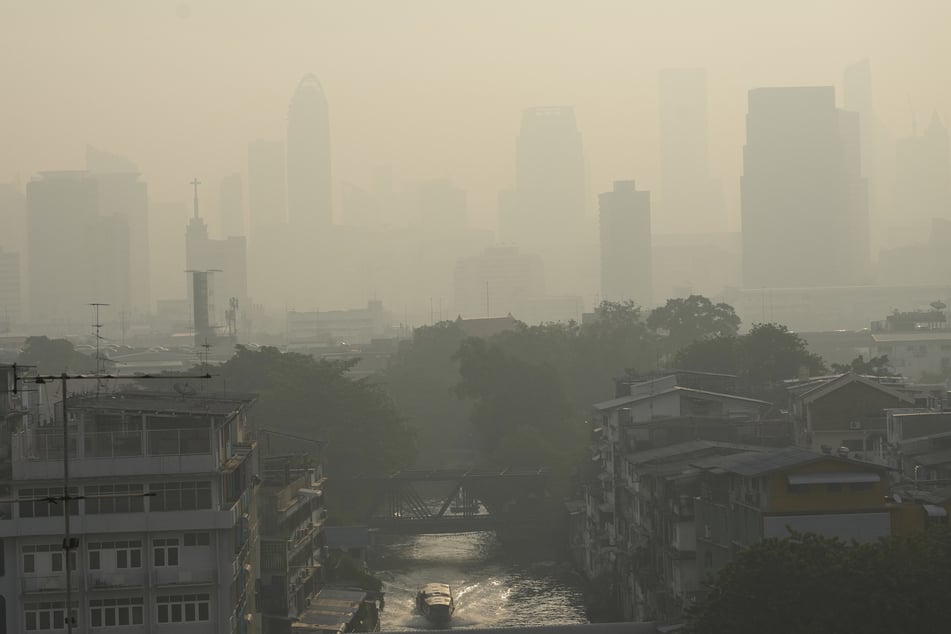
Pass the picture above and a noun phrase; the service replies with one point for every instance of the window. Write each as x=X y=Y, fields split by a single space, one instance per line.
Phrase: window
x=165 y=551
x=834 y=487
x=861 y=486
x=37 y=503
x=45 y=558
x=180 y=496
x=113 y=612
x=797 y=488
x=120 y=555
x=182 y=608
x=196 y=539
x=115 y=498
x=47 y=615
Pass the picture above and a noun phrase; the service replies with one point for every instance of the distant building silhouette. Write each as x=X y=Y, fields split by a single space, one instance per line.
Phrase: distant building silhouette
x=309 y=185
x=549 y=178
x=267 y=185
x=231 y=206
x=923 y=176
x=76 y=256
x=226 y=257
x=10 y=291
x=690 y=202
x=804 y=201
x=123 y=195
x=497 y=283
x=626 y=244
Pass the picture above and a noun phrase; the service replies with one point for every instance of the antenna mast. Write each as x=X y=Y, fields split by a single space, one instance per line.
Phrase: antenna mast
x=97 y=329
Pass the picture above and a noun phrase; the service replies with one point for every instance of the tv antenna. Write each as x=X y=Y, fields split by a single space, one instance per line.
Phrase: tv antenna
x=97 y=331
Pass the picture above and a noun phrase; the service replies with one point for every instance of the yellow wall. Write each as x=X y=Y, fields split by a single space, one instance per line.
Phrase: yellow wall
x=819 y=498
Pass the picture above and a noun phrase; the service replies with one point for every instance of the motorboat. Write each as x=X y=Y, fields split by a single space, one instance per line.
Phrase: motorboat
x=435 y=602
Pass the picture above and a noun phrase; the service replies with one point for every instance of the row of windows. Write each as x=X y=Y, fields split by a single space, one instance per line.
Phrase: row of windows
x=180 y=608
x=119 y=555
x=832 y=487
x=117 y=498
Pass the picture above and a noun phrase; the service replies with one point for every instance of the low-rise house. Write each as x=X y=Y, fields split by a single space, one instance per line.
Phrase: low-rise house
x=846 y=410
x=747 y=497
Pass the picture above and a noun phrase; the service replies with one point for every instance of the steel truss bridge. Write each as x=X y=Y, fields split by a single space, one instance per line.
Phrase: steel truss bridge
x=446 y=500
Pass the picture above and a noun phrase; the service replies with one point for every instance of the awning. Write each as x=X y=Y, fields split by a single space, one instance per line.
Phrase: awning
x=835 y=477
x=935 y=511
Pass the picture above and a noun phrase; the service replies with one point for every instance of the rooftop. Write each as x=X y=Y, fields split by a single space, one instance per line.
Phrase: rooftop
x=163 y=402
x=688 y=391
x=762 y=463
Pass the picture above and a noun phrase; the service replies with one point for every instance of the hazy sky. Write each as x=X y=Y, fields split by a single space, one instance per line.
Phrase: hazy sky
x=431 y=87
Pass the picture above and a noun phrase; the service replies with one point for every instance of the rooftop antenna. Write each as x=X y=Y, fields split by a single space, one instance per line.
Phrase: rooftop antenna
x=195 y=183
x=97 y=328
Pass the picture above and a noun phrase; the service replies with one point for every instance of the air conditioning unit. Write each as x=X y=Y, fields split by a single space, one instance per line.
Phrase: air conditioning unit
x=855 y=424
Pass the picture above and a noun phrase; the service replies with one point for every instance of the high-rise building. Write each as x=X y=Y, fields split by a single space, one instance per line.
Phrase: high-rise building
x=267 y=186
x=497 y=283
x=626 y=244
x=63 y=212
x=231 y=206
x=923 y=176
x=123 y=196
x=164 y=519
x=804 y=202
x=227 y=257
x=10 y=310
x=550 y=177
x=690 y=201
x=309 y=186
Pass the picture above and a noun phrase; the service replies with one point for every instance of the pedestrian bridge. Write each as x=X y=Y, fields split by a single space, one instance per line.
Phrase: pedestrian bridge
x=445 y=500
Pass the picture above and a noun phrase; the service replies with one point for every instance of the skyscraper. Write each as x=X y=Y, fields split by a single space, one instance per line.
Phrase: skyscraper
x=267 y=185
x=62 y=214
x=923 y=176
x=690 y=202
x=497 y=283
x=231 y=205
x=309 y=187
x=550 y=176
x=626 y=244
x=804 y=202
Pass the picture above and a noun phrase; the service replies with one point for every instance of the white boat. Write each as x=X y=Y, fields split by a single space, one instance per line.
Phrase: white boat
x=435 y=602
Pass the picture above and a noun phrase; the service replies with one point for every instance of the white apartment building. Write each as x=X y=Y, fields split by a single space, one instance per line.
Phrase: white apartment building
x=165 y=521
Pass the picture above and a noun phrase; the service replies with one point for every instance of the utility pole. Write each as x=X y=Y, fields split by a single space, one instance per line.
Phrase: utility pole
x=69 y=544
x=97 y=329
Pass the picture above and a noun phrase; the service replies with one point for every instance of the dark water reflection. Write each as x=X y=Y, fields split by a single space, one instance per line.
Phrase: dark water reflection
x=492 y=588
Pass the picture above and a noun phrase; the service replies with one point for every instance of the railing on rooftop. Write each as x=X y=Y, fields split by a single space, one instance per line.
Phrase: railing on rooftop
x=48 y=445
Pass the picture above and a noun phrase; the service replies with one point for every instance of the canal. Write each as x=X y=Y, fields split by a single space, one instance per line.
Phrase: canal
x=492 y=588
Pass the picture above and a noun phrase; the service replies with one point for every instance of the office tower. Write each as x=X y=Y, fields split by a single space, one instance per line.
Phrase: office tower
x=63 y=211
x=441 y=207
x=267 y=186
x=10 y=307
x=690 y=201
x=309 y=190
x=13 y=218
x=923 y=176
x=804 y=207
x=231 y=206
x=626 y=244
x=123 y=195
x=111 y=257
x=550 y=177
x=226 y=257
x=165 y=521
x=497 y=283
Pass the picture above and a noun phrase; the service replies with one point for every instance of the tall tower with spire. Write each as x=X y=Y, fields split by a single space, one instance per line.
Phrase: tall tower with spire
x=309 y=185
x=196 y=238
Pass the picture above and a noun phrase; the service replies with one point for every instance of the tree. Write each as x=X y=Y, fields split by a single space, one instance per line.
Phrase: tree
x=763 y=357
x=875 y=366
x=420 y=380
x=301 y=395
x=692 y=319
x=520 y=414
x=55 y=356
x=824 y=586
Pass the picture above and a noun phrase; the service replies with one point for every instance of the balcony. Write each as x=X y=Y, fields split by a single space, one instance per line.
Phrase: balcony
x=116 y=580
x=38 y=453
x=47 y=583
x=178 y=577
